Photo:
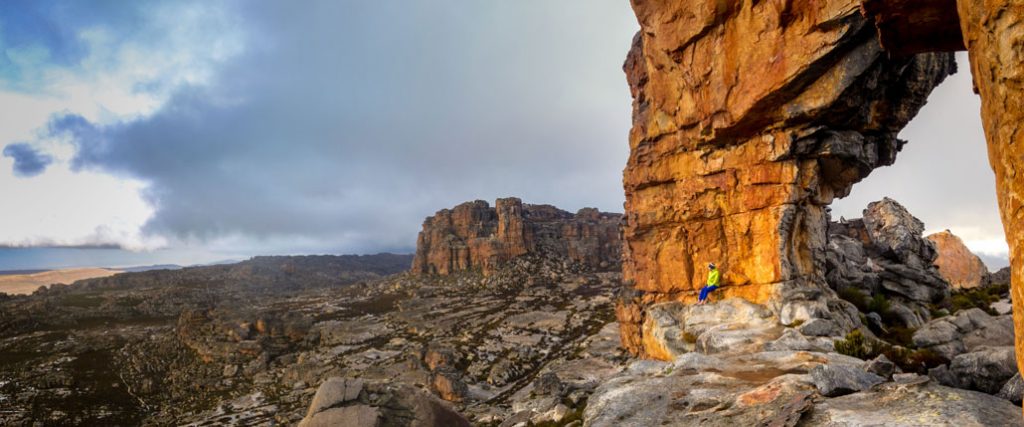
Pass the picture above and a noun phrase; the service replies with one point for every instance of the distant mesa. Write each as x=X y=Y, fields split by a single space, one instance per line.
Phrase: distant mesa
x=957 y=264
x=476 y=236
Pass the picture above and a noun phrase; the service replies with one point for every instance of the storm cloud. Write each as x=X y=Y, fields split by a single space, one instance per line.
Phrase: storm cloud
x=28 y=161
x=346 y=123
x=218 y=130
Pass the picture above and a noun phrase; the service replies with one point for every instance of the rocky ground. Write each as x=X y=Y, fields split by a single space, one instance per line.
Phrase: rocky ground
x=530 y=341
x=250 y=344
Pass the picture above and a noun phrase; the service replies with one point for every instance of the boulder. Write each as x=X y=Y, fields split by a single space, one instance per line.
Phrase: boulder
x=357 y=403
x=957 y=264
x=673 y=328
x=914 y=404
x=352 y=416
x=880 y=366
x=333 y=392
x=1013 y=390
x=835 y=381
x=986 y=369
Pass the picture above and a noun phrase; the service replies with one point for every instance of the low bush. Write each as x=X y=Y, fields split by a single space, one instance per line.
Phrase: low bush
x=856 y=297
x=857 y=345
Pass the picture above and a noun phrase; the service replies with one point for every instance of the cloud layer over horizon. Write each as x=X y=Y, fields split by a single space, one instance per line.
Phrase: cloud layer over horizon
x=232 y=129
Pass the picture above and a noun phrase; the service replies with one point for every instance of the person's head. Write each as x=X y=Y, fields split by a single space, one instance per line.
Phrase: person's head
x=711 y=266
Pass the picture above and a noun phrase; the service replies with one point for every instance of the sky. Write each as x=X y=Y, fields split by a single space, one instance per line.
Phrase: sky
x=188 y=132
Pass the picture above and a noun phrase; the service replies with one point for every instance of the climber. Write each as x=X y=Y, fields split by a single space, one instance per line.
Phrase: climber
x=710 y=286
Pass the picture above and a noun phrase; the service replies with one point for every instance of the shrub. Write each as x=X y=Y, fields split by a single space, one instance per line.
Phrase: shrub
x=909 y=360
x=855 y=297
x=855 y=344
x=878 y=304
x=900 y=335
x=976 y=298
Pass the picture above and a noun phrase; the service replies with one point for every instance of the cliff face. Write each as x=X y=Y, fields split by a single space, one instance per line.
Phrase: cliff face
x=957 y=264
x=993 y=31
x=474 y=235
x=748 y=119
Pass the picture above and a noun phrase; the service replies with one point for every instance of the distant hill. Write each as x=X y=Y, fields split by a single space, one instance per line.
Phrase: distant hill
x=142 y=268
x=27 y=283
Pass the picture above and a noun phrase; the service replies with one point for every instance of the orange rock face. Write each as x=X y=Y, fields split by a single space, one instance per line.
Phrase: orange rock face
x=474 y=236
x=993 y=31
x=957 y=264
x=748 y=119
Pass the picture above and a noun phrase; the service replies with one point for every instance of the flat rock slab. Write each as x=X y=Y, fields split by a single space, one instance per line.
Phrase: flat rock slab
x=839 y=380
x=929 y=404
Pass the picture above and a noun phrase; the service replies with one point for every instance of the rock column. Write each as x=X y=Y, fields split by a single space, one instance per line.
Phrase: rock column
x=993 y=31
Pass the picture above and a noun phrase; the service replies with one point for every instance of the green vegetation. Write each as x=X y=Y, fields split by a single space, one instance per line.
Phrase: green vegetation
x=855 y=344
x=981 y=297
x=878 y=304
x=855 y=297
x=908 y=358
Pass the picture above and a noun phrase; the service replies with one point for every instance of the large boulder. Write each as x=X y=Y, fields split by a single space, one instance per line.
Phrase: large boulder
x=957 y=264
x=986 y=369
x=673 y=328
x=964 y=331
x=914 y=404
x=835 y=381
x=356 y=403
x=748 y=120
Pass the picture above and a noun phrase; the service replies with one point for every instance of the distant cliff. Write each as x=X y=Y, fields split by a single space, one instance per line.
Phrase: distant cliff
x=473 y=235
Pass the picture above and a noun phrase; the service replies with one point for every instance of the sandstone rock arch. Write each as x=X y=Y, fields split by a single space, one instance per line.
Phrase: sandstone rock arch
x=750 y=117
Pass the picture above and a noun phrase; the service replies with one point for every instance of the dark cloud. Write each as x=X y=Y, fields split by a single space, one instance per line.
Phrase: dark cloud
x=345 y=123
x=27 y=160
x=49 y=31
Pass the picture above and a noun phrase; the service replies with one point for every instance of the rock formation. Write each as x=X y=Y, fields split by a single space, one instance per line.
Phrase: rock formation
x=748 y=119
x=957 y=264
x=885 y=254
x=992 y=32
x=474 y=235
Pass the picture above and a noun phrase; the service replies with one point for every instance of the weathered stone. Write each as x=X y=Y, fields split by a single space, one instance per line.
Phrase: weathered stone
x=748 y=120
x=333 y=392
x=819 y=328
x=986 y=369
x=880 y=366
x=671 y=329
x=352 y=416
x=449 y=387
x=926 y=404
x=957 y=264
x=834 y=381
x=475 y=236
x=1013 y=390
x=993 y=31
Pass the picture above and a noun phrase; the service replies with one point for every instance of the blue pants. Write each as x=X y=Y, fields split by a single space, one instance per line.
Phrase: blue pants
x=705 y=291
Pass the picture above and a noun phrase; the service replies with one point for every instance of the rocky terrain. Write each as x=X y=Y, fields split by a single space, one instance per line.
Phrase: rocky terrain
x=910 y=350
x=749 y=119
x=252 y=343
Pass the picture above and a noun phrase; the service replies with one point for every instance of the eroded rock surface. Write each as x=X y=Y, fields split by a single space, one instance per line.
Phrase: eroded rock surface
x=957 y=264
x=748 y=119
x=475 y=236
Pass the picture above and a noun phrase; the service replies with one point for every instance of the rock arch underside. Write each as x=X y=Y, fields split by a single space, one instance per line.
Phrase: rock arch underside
x=750 y=117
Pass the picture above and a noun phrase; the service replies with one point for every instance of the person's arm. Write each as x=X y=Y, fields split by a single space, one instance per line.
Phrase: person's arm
x=713 y=278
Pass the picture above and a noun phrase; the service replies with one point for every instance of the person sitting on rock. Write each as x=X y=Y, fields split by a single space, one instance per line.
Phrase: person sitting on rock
x=710 y=286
